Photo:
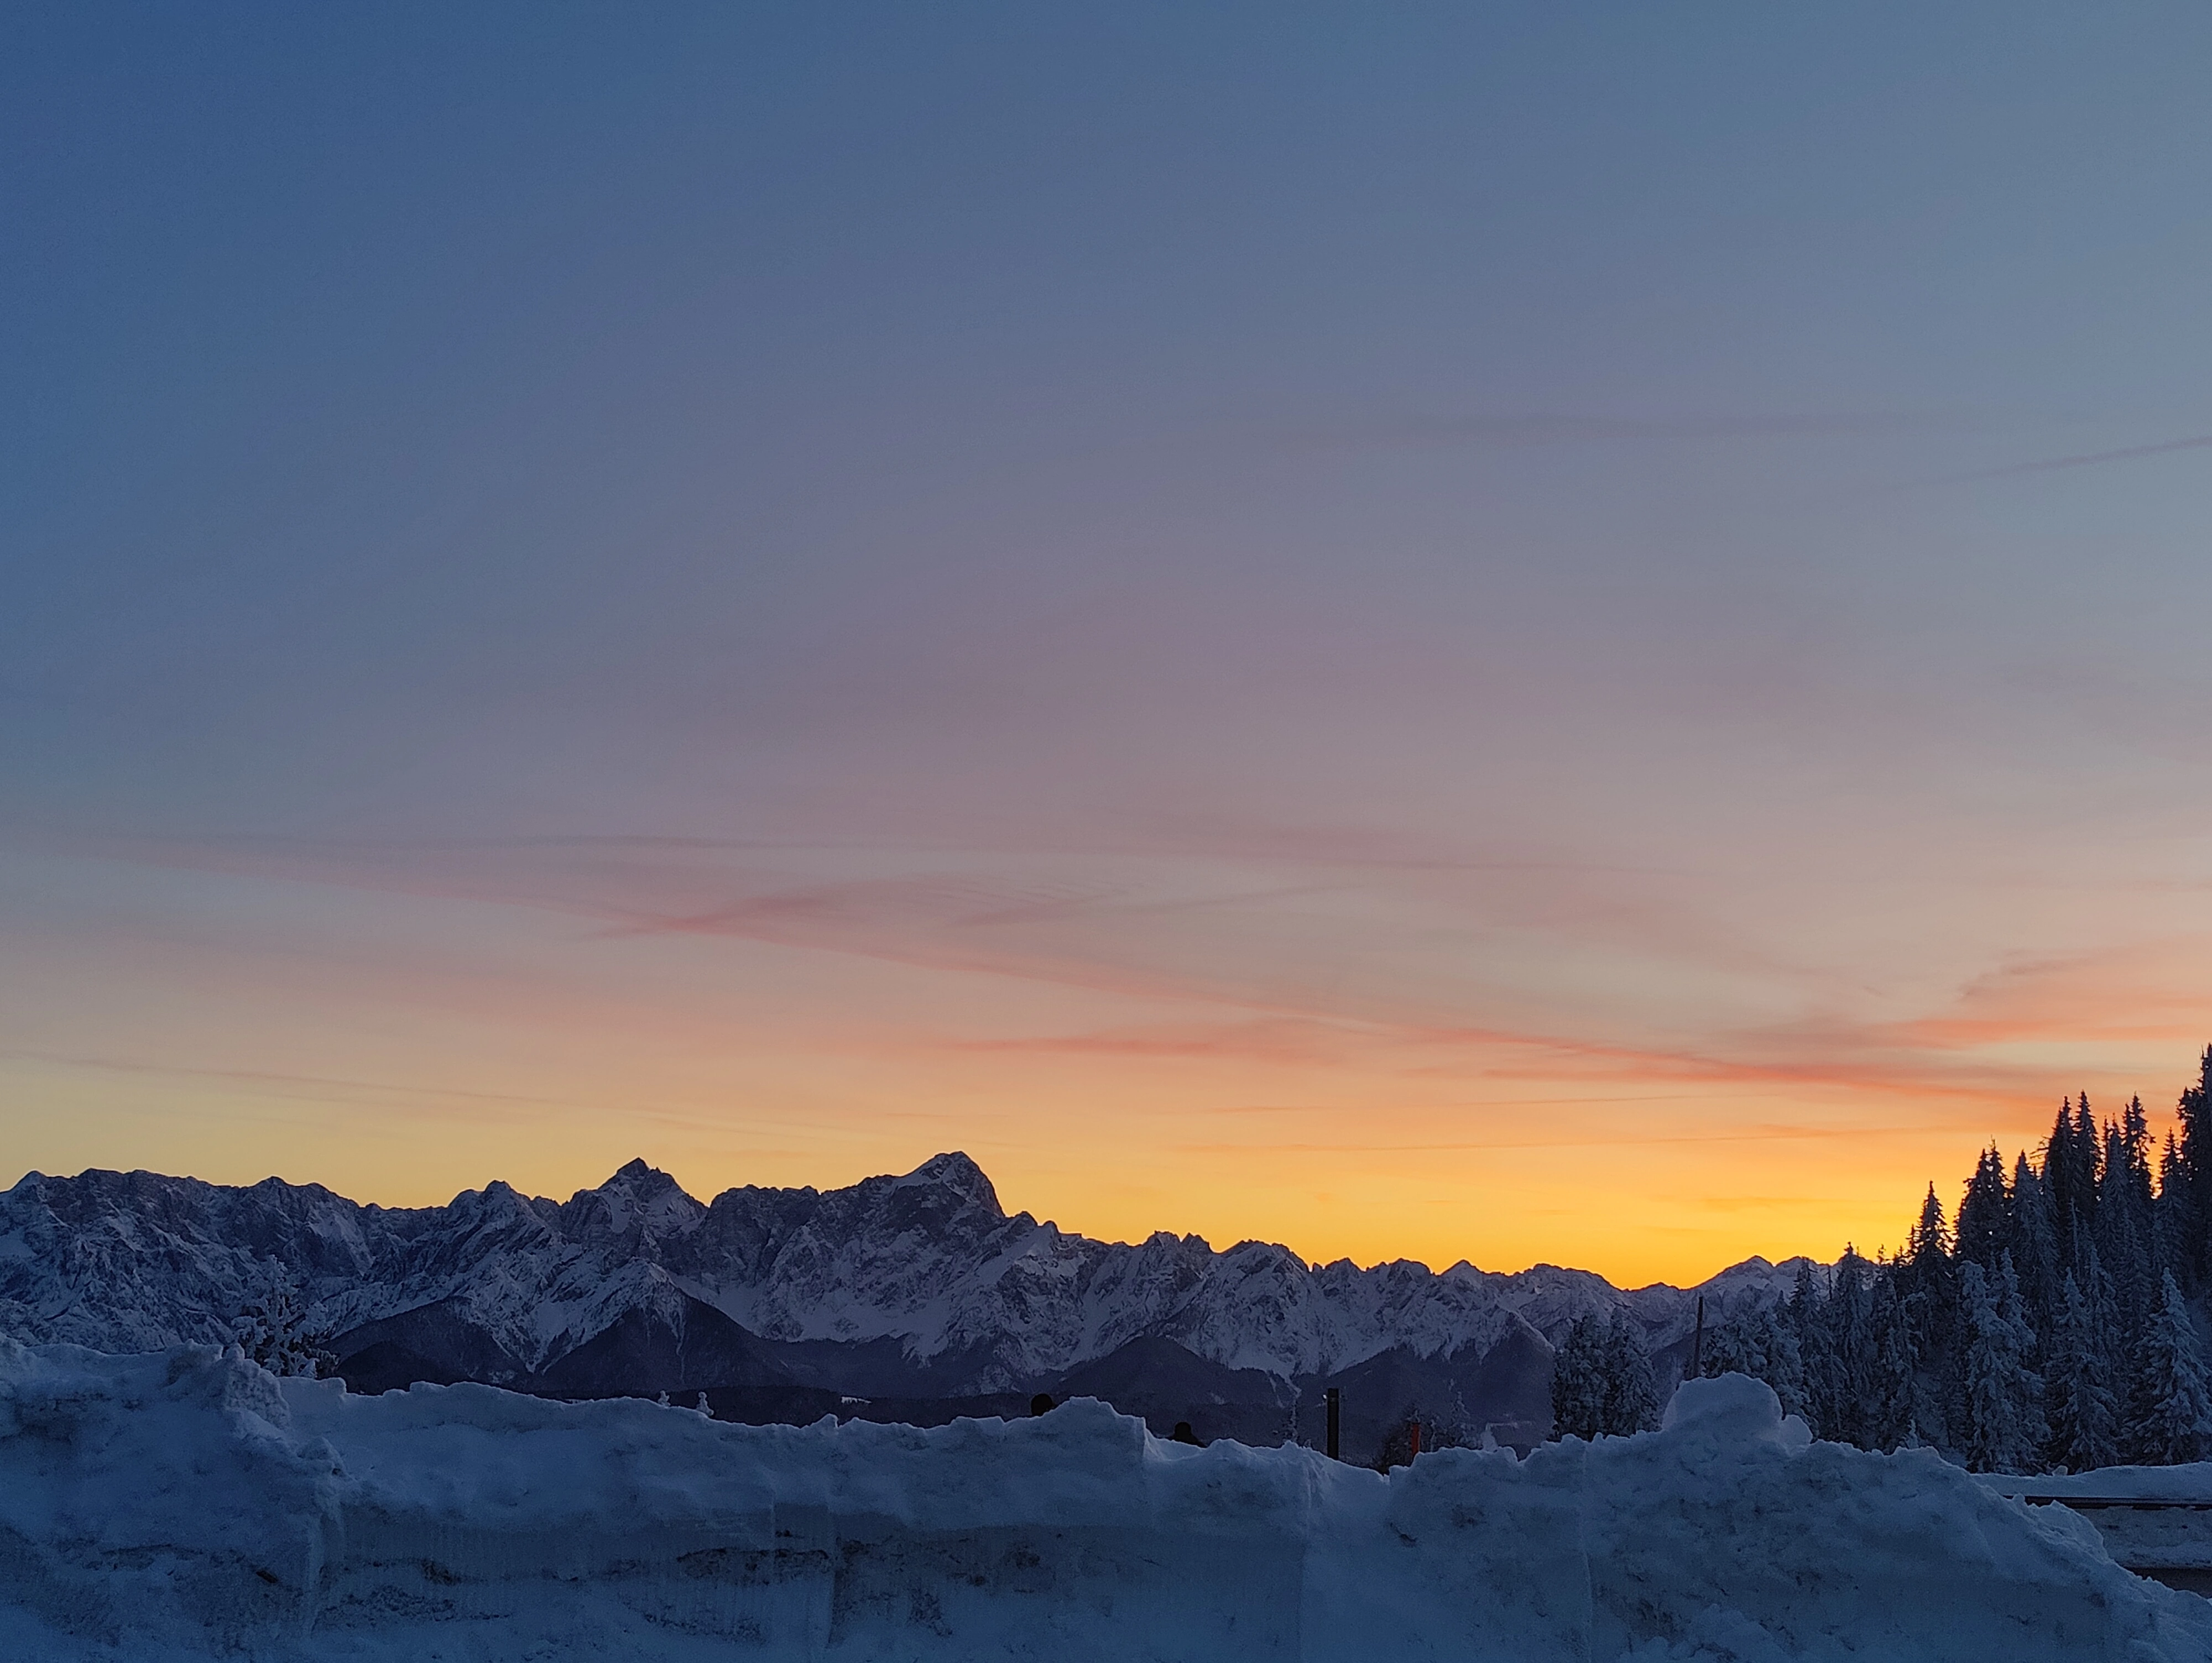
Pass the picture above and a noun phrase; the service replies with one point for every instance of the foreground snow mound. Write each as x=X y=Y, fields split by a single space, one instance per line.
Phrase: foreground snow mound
x=185 y=1505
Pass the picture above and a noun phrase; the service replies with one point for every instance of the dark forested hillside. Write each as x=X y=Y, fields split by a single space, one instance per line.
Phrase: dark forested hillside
x=2053 y=1323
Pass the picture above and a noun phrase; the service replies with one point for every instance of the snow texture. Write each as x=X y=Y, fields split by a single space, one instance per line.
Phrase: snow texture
x=929 y=1260
x=185 y=1505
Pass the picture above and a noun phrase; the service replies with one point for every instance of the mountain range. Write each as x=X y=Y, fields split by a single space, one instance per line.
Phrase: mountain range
x=912 y=1297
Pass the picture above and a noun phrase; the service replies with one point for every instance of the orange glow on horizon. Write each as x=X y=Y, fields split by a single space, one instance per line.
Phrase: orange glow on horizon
x=1195 y=1079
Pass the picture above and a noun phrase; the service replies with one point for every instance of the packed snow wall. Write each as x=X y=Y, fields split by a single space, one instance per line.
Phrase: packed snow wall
x=186 y=1505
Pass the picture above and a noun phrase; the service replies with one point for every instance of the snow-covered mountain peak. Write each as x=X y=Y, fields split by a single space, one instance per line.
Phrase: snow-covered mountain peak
x=639 y=1205
x=954 y=1171
x=976 y=1299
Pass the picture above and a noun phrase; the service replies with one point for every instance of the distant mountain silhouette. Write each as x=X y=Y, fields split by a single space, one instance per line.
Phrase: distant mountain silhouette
x=915 y=1296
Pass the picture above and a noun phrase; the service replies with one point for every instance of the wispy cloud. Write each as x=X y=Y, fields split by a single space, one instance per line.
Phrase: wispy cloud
x=2086 y=459
x=1500 y=981
x=1516 y=428
x=387 y=1094
x=1755 y=1134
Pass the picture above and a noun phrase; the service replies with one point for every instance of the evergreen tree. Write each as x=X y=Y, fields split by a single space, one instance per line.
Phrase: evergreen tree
x=2193 y=1197
x=1578 y=1382
x=2070 y=1164
x=2171 y=1408
x=1846 y=1414
x=2046 y=1318
x=2171 y=1218
x=1930 y=1240
x=1602 y=1380
x=1631 y=1396
x=1758 y=1343
x=1734 y=1347
x=2087 y=1153
x=274 y=1332
x=2003 y=1425
x=2077 y=1394
x=1985 y=1213
x=1805 y=1319
x=1888 y=1418
x=2035 y=1242
x=2125 y=1231
x=1928 y=1288
x=1786 y=1367
x=2012 y=1307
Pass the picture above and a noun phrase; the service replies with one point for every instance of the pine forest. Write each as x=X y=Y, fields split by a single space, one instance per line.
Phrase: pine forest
x=2053 y=1324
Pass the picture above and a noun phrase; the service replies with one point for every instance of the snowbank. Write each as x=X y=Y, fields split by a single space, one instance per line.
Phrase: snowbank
x=2151 y=1518
x=185 y=1505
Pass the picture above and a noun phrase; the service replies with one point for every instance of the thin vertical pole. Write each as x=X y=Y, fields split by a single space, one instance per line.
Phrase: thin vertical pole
x=1414 y=1453
x=1697 y=1344
x=1335 y=1407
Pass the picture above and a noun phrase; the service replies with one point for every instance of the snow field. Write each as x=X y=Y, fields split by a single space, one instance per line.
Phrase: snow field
x=185 y=1505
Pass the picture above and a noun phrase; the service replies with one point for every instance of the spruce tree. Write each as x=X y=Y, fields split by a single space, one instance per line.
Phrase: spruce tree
x=1631 y=1396
x=2087 y=1154
x=2171 y=1409
x=1785 y=1364
x=1888 y=1418
x=1732 y=1347
x=2173 y=1214
x=2012 y=1307
x=1985 y=1212
x=2002 y=1428
x=2192 y=1206
x=2078 y=1399
x=1849 y=1318
x=1578 y=1382
x=1930 y=1240
x=1928 y=1287
x=2070 y=1165
x=2125 y=1230
x=1805 y=1319
x=1757 y=1342
x=2035 y=1242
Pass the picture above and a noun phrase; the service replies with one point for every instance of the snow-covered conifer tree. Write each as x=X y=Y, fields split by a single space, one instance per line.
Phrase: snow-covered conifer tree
x=2035 y=1242
x=2077 y=1394
x=1887 y=1419
x=1785 y=1365
x=1602 y=1380
x=1985 y=1213
x=2192 y=1196
x=1631 y=1397
x=2171 y=1417
x=274 y=1332
x=2003 y=1421
x=1805 y=1319
x=1578 y=1382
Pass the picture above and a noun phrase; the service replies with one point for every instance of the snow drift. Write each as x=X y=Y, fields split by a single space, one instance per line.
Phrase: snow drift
x=183 y=1505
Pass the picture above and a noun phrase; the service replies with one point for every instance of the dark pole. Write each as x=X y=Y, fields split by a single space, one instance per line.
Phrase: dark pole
x=1335 y=1404
x=1697 y=1344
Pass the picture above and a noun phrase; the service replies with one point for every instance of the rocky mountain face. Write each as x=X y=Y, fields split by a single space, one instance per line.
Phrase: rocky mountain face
x=910 y=1293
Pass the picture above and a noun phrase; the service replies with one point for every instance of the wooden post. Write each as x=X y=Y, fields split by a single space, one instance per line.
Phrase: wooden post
x=1698 y=1344
x=1335 y=1406
x=1415 y=1453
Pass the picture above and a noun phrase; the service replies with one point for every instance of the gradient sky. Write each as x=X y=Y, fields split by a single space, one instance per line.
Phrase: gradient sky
x=1572 y=633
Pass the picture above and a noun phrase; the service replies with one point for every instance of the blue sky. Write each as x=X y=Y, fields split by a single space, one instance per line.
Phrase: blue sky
x=1239 y=610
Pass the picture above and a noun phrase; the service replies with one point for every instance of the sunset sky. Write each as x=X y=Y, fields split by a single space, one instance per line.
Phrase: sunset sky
x=1527 y=632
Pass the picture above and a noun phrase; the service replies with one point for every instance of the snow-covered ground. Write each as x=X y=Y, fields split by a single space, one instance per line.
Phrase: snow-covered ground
x=2151 y=1517
x=185 y=1505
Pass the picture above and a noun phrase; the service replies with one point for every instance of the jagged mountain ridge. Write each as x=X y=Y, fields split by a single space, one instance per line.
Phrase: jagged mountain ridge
x=921 y=1282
